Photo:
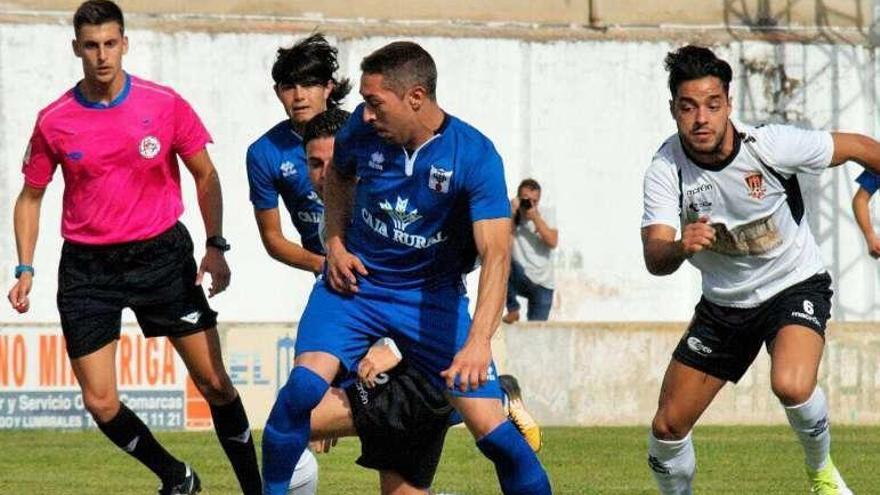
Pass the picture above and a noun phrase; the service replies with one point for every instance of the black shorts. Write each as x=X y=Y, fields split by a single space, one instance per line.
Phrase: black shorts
x=402 y=424
x=723 y=341
x=155 y=278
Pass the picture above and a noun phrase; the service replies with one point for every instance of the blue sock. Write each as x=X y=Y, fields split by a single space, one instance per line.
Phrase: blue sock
x=519 y=470
x=287 y=430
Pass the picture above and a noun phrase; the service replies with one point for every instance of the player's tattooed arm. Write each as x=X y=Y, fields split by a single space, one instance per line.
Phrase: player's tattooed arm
x=342 y=266
x=857 y=148
x=26 y=218
x=664 y=254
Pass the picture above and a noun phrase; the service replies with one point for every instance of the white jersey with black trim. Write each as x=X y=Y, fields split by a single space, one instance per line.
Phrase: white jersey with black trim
x=763 y=242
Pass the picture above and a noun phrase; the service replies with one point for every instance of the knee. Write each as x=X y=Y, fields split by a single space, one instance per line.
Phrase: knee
x=102 y=407
x=666 y=427
x=217 y=388
x=792 y=390
x=302 y=393
x=482 y=419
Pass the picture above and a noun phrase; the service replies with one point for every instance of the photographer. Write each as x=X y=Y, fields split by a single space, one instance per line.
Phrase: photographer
x=531 y=270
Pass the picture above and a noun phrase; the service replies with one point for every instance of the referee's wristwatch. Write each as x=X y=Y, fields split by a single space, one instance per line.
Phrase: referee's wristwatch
x=218 y=242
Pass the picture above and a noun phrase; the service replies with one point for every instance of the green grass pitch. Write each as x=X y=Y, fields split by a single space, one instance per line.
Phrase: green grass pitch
x=731 y=460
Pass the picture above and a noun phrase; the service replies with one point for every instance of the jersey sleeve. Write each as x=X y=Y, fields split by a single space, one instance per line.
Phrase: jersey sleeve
x=346 y=142
x=792 y=150
x=190 y=135
x=40 y=161
x=486 y=187
x=263 y=193
x=869 y=181
x=662 y=196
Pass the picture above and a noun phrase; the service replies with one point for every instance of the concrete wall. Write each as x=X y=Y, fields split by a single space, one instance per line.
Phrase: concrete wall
x=838 y=13
x=610 y=374
x=583 y=117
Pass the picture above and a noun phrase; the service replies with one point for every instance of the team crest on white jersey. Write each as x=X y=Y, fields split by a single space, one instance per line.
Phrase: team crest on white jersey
x=439 y=179
x=377 y=160
x=755 y=183
x=288 y=169
x=149 y=147
x=399 y=214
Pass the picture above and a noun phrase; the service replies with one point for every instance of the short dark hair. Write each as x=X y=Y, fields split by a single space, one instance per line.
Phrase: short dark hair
x=97 y=12
x=695 y=62
x=528 y=184
x=325 y=124
x=403 y=64
x=309 y=62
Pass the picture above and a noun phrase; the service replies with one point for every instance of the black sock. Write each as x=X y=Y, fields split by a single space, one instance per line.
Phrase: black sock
x=234 y=433
x=130 y=434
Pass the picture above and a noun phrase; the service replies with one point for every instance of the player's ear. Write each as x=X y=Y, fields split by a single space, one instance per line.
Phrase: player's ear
x=672 y=107
x=75 y=46
x=328 y=88
x=125 y=45
x=416 y=97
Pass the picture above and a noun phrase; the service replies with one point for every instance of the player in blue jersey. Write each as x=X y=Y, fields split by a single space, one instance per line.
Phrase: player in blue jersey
x=430 y=198
x=306 y=85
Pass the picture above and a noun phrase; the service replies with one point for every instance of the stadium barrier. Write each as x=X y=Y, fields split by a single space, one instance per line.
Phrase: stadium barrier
x=575 y=374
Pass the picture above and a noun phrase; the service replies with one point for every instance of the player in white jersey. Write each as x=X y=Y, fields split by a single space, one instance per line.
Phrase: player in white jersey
x=732 y=191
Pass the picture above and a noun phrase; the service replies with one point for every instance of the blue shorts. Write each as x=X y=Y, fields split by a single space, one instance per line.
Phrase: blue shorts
x=428 y=325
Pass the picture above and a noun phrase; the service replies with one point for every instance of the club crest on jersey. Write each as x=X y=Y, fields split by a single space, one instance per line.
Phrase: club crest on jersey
x=439 y=179
x=288 y=169
x=149 y=147
x=755 y=183
x=377 y=160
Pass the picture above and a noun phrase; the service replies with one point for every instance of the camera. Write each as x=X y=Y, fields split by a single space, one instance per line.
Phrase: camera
x=525 y=204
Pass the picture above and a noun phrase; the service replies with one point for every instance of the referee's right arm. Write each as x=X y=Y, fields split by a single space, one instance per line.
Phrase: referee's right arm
x=27 y=225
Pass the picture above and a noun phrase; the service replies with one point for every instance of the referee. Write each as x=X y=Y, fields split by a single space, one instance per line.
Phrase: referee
x=117 y=138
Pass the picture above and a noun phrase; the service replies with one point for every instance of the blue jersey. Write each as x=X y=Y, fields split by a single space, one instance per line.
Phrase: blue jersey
x=412 y=222
x=869 y=181
x=276 y=166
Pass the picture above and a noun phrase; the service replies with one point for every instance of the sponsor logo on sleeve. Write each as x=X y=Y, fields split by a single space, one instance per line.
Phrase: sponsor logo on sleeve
x=288 y=169
x=377 y=161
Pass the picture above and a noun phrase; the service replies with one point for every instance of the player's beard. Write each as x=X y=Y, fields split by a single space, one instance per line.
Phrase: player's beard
x=714 y=153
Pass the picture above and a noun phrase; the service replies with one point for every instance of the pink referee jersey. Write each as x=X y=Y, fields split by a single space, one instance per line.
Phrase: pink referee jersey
x=121 y=176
